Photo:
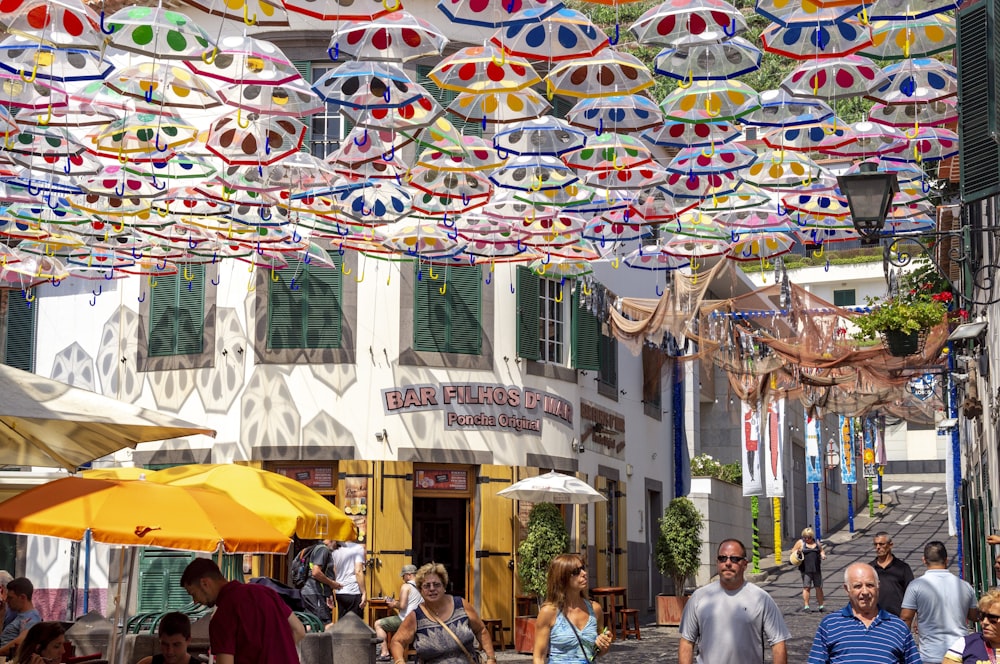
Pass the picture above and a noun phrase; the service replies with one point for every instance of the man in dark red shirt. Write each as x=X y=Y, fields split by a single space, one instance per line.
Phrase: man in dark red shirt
x=251 y=625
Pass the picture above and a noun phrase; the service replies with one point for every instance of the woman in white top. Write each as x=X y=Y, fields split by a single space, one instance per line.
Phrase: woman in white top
x=409 y=599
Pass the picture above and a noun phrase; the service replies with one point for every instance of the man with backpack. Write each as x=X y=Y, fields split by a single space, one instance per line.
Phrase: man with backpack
x=313 y=569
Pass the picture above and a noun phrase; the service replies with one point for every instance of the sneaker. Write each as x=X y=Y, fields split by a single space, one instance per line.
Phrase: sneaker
x=822 y=608
x=806 y=608
x=384 y=658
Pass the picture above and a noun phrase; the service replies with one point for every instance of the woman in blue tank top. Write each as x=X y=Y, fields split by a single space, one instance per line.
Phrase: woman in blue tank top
x=570 y=627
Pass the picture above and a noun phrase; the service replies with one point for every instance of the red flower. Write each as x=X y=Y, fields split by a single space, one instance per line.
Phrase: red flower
x=946 y=296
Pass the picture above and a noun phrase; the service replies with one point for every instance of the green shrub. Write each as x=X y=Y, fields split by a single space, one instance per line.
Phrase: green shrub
x=704 y=465
x=547 y=538
x=678 y=548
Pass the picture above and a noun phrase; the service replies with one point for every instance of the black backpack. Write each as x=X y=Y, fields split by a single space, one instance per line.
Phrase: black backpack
x=300 y=567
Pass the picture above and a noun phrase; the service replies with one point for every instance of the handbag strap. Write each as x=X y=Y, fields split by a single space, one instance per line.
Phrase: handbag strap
x=433 y=617
x=578 y=639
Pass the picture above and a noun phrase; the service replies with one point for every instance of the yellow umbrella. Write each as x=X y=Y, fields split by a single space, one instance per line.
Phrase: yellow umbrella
x=123 y=473
x=137 y=513
x=283 y=502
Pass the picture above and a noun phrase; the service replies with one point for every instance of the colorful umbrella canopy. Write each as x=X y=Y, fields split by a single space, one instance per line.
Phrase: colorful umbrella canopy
x=139 y=513
x=56 y=23
x=242 y=59
x=837 y=78
x=932 y=114
x=156 y=85
x=396 y=37
x=710 y=101
x=364 y=85
x=563 y=35
x=917 y=80
x=623 y=114
x=890 y=10
x=252 y=13
x=340 y=10
x=806 y=37
x=499 y=107
x=497 y=14
x=607 y=74
x=708 y=61
x=779 y=108
x=678 y=23
x=261 y=140
x=37 y=62
x=760 y=246
x=482 y=69
x=539 y=136
x=912 y=38
x=677 y=134
x=169 y=34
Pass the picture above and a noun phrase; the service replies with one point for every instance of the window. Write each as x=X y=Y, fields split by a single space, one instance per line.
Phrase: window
x=19 y=323
x=551 y=321
x=447 y=309
x=607 y=375
x=177 y=313
x=325 y=128
x=551 y=327
x=844 y=298
x=304 y=307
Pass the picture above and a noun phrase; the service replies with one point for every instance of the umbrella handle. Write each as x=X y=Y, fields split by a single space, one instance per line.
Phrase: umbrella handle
x=293 y=286
x=503 y=57
x=614 y=41
x=385 y=4
x=208 y=57
x=430 y=272
x=247 y=20
x=730 y=29
x=659 y=291
x=29 y=295
x=687 y=81
x=215 y=280
x=363 y=141
x=585 y=289
x=344 y=269
x=818 y=253
x=239 y=119
x=334 y=51
x=34 y=73
x=274 y=275
x=616 y=263
x=444 y=287
x=559 y=297
x=916 y=130
x=105 y=28
x=708 y=107
x=390 y=155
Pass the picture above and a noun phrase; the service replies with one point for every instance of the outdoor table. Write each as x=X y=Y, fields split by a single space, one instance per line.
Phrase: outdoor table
x=378 y=608
x=608 y=596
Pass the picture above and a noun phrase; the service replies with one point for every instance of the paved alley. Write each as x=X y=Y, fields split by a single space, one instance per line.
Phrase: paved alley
x=913 y=514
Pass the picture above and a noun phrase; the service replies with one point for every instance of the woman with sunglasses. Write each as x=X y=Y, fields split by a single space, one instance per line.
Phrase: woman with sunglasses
x=43 y=644
x=570 y=627
x=980 y=646
x=445 y=626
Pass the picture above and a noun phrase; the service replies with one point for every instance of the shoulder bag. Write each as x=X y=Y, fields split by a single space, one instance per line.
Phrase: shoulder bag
x=478 y=659
x=586 y=654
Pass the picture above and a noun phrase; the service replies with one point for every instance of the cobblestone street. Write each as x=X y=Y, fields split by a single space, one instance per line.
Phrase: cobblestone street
x=913 y=514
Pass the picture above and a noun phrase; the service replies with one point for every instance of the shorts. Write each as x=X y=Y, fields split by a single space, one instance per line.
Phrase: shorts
x=812 y=580
x=390 y=623
x=349 y=604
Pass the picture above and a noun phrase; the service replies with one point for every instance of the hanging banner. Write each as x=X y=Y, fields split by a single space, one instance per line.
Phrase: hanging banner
x=880 y=457
x=752 y=485
x=868 y=452
x=944 y=439
x=814 y=462
x=774 y=475
x=848 y=471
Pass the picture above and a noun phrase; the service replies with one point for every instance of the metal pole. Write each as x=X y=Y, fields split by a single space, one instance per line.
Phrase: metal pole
x=956 y=462
x=816 y=519
x=850 y=508
x=755 y=529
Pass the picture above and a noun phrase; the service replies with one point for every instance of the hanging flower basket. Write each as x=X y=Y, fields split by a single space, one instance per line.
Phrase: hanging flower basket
x=900 y=343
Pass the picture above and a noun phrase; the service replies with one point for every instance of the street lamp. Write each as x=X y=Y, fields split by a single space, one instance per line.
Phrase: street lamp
x=869 y=195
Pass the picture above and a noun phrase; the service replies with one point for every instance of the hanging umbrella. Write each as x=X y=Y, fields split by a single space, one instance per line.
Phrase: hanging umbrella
x=779 y=169
x=653 y=258
x=264 y=140
x=162 y=85
x=931 y=114
x=623 y=114
x=476 y=155
x=285 y=503
x=411 y=116
x=870 y=140
x=892 y=10
x=252 y=13
x=364 y=85
x=242 y=59
x=805 y=37
x=912 y=38
x=499 y=107
x=779 y=11
x=540 y=136
x=744 y=196
x=607 y=74
x=677 y=134
x=564 y=35
x=710 y=101
x=722 y=159
x=37 y=62
x=929 y=144
x=696 y=21
x=917 y=80
x=499 y=14
x=481 y=69
x=340 y=10
x=293 y=98
x=396 y=37
x=533 y=173
x=708 y=61
x=825 y=135
x=57 y=23
x=138 y=513
x=779 y=108
x=38 y=94
x=141 y=137
x=168 y=34
x=759 y=246
x=836 y=78
x=47 y=423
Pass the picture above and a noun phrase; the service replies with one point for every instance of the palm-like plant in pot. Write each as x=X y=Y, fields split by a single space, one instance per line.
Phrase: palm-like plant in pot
x=678 y=554
x=547 y=538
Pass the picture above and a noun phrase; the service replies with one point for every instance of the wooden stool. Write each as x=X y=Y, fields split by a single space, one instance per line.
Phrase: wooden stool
x=630 y=615
x=495 y=626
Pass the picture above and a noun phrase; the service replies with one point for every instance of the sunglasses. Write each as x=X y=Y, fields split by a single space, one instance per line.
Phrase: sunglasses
x=989 y=617
x=736 y=560
x=577 y=571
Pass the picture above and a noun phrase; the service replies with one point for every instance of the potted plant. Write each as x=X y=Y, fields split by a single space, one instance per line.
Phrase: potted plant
x=547 y=538
x=902 y=321
x=678 y=555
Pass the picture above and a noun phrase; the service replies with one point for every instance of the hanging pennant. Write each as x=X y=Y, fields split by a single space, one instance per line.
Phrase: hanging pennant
x=848 y=471
x=868 y=455
x=752 y=485
x=814 y=459
x=774 y=476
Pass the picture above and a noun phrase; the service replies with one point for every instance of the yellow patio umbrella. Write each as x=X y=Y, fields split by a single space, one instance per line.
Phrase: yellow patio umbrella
x=285 y=503
x=117 y=473
x=138 y=513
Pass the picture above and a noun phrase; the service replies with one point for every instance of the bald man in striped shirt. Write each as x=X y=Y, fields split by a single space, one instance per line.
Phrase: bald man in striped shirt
x=861 y=633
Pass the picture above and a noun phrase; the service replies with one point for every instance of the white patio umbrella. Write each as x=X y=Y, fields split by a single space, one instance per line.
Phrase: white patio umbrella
x=44 y=422
x=552 y=487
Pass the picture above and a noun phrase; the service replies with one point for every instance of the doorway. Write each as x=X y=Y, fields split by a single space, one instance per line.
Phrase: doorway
x=439 y=536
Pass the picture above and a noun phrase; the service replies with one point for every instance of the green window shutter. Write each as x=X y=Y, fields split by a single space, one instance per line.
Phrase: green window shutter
x=20 y=332
x=586 y=337
x=177 y=313
x=608 y=373
x=285 y=311
x=978 y=69
x=561 y=106
x=323 y=308
x=160 y=573
x=844 y=298
x=527 y=314
x=445 y=97
x=430 y=314
x=305 y=69
x=465 y=297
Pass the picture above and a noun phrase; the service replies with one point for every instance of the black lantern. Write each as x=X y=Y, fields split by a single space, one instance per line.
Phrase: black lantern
x=869 y=195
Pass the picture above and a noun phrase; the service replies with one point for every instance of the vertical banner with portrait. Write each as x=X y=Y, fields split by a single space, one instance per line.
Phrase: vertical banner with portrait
x=774 y=430
x=356 y=504
x=868 y=452
x=848 y=469
x=752 y=485
x=814 y=456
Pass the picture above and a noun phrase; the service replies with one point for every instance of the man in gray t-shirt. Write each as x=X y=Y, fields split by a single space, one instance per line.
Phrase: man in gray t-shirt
x=942 y=604
x=732 y=621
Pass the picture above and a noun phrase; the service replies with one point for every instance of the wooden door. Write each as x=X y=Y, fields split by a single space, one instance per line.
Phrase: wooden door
x=495 y=527
x=392 y=512
x=599 y=576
